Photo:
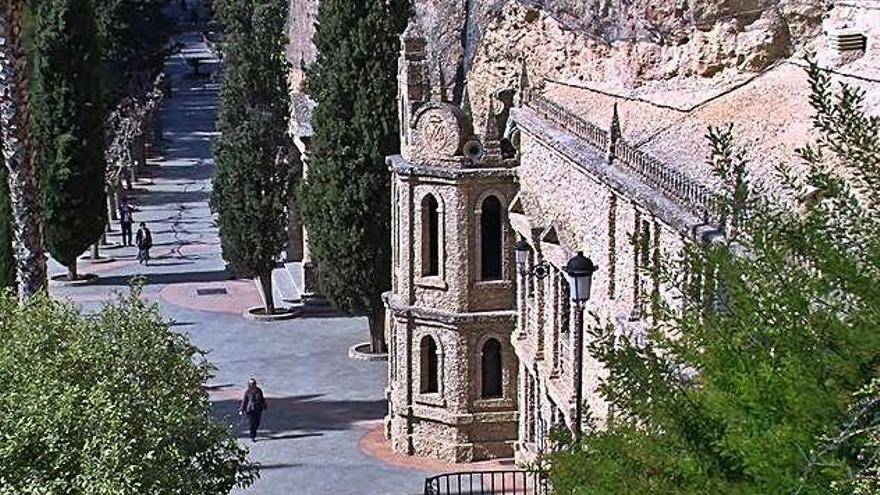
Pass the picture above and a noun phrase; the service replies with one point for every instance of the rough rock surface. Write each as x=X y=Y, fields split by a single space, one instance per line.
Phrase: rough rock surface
x=642 y=39
x=300 y=30
x=615 y=45
x=627 y=48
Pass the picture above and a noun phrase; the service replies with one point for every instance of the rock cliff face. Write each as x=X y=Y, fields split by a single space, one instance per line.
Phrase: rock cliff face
x=300 y=29
x=622 y=42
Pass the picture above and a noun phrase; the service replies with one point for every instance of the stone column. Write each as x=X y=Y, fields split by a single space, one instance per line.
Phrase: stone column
x=613 y=136
x=295 y=234
x=311 y=294
x=309 y=273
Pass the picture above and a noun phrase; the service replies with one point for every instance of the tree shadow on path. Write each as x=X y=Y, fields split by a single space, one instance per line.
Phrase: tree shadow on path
x=164 y=278
x=302 y=416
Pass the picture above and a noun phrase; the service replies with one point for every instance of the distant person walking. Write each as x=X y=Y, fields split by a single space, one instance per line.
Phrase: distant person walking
x=125 y=220
x=253 y=404
x=144 y=240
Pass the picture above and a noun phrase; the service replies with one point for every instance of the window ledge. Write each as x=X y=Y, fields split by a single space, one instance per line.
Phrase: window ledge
x=494 y=284
x=431 y=399
x=493 y=403
x=432 y=282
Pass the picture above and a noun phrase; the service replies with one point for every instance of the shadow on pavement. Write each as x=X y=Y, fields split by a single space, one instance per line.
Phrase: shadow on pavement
x=173 y=197
x=164 y=278
x=266 y=467
x=302 y=416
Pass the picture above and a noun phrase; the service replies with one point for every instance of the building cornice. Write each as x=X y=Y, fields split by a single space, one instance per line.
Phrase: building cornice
x=446 y=317
x=401 y=166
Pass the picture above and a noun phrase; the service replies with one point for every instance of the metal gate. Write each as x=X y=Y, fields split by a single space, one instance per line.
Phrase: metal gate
x=487 y=483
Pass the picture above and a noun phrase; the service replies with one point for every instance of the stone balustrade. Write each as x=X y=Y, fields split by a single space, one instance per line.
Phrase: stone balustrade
x=698 y=199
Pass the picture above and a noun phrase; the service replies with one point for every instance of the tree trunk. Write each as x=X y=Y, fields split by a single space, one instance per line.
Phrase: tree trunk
x=96 y=253
x=71 y=272
x=132 y=165
x=376 y=321
x=267 y=293
x=19 y=156
x=140 y=153
x=111 y=207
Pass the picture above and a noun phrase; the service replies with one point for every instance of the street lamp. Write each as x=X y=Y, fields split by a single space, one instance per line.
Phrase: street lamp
x=580 y=278
x=539 y=270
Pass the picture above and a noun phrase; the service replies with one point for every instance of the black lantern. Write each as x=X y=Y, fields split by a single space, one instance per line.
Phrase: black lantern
x=522 y=253
x=580 y=277
x=540 y=270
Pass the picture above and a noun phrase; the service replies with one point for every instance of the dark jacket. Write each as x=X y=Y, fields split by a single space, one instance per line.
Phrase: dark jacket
x=253 y=401
x=125 y=213
x=144 y=239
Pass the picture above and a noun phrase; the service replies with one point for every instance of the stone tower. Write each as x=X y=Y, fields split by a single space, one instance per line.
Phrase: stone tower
x=452 y=372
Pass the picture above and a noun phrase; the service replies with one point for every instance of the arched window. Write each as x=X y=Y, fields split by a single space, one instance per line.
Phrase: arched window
x=490 y=236
x=491 y=369
x=430 y=236
x=428 y=354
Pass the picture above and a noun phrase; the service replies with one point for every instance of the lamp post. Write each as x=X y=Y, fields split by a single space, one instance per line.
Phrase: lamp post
x=580 y=278
x=579 y=271
x=540 y=270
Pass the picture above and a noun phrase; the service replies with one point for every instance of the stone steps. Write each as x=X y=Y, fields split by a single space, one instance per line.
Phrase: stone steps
x=308 y=306
x=285 y=286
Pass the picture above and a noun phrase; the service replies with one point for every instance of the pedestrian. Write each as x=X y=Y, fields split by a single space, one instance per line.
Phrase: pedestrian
x=144 y=240
x=125 y=220
x=253 y=404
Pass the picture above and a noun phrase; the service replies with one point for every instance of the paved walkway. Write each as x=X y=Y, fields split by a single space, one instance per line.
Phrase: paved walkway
x=322 y=404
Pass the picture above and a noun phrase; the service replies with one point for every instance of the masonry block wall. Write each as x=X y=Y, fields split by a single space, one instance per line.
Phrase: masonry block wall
x=565 y=204
x=452 y=374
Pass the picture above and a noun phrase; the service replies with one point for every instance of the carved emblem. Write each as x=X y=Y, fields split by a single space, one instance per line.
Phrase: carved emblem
x=439 y=132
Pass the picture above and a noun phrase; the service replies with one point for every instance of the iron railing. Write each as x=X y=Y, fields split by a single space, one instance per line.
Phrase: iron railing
x=670 y=181
x=554 y=112
x=696 y=198
x=488 y=483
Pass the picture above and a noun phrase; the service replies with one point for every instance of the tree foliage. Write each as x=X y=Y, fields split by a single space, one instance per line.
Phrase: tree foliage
x=107 y=403
x=344 y=197
x=67 y=125
x=746 y=377
x=252 y=176
x=133 y=36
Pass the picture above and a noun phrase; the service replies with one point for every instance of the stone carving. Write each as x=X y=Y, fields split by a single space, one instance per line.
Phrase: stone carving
x=439 y=131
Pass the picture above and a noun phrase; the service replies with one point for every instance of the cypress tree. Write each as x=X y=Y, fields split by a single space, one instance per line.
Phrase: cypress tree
x=67 y=126
x=345 y=196
x=251 y=178
x=133 y=34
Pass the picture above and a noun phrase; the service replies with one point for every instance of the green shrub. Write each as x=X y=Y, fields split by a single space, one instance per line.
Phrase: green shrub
x=110 y=403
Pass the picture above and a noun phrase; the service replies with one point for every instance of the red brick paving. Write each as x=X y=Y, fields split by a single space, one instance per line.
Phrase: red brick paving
x=374 y=444
x=240 y=296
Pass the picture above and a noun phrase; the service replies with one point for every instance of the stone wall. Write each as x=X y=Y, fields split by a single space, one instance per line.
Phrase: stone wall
x=454 y=423
x=457 y=287
x=563 y=207
x=300 y=30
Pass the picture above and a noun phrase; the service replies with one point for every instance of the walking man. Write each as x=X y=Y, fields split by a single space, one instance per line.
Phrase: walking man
x=125 y=221
x=144 y=240
x=253 y=404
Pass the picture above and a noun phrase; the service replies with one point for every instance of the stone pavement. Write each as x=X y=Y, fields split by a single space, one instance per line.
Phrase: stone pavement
x=322 y=431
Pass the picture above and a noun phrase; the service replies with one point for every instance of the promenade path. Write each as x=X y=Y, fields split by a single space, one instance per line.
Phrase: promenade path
x=322 y=432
